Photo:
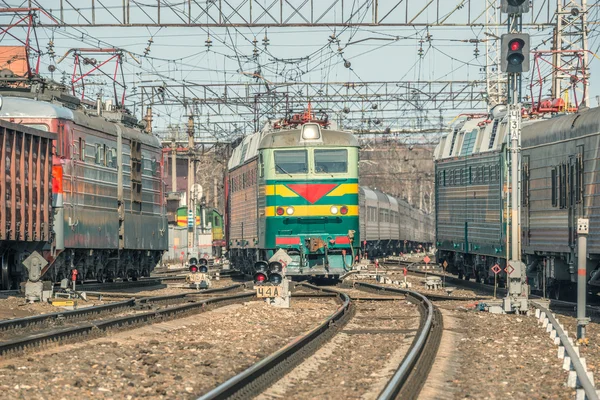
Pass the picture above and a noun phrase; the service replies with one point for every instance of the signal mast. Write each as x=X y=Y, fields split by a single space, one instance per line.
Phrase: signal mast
x=514 y=60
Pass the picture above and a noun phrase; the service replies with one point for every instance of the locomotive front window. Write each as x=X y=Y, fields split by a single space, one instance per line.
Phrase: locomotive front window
x=291 y=161
x=331 y=161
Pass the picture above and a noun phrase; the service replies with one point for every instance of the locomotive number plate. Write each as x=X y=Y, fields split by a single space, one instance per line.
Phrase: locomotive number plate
x=268 y=291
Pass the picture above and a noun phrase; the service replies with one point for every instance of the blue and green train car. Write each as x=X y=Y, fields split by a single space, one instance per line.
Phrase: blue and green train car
x=295 y=190
x=470 y=206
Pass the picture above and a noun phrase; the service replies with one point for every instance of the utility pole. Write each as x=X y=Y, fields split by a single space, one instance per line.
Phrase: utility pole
x=570 y=48
x=173 y=166
x=515 y=61
x=494 y=78
x=583 y=229
x=190 y=186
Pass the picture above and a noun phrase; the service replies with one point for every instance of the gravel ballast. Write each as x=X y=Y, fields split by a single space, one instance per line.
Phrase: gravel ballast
x=504 y=357
x=180 y=359
x=359 y=360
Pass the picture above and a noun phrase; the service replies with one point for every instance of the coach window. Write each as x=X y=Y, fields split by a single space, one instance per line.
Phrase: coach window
x=113 y=157
x=554 y=186
x=81 y=149
x=291 y=161
x=99 y=154
x=261 y=164
x=331 y=161
x=90 y=151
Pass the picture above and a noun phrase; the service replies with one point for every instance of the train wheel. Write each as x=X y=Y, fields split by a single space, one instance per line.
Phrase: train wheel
x=555 y=292
x=101 y=276
x=5 y=277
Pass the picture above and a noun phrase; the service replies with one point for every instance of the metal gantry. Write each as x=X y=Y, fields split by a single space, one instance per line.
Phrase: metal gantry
x=385 y=107
x=279 y=13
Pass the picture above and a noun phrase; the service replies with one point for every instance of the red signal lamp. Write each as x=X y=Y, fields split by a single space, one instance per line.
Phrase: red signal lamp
x=280 y=211
x=260 y=277
x=516 y=44
x=344 y=210
x=193 y=268
x=260 y=271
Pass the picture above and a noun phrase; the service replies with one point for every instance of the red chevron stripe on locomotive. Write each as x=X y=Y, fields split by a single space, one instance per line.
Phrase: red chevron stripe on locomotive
x=312 y=192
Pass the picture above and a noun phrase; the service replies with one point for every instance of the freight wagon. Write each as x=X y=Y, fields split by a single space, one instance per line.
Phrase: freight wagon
x=26 y=190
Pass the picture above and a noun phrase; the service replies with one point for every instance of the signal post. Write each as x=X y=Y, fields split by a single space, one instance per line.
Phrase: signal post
x=515 y=61
x=191 y=206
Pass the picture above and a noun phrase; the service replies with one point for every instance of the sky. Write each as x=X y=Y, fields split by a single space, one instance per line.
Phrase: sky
x=175 y=56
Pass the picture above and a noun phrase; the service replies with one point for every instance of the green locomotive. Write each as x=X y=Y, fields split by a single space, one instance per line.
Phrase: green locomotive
x=293 y=188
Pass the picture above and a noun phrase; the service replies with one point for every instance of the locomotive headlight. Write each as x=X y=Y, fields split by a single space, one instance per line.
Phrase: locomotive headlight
x=289 y=210
x=311 y=132
x=334 y=209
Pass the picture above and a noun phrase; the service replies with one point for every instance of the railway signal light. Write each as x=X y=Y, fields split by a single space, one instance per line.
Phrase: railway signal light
x=260 y=272
x=515 y=53
x=275 y=273
x=193 y=264
x=514 y=6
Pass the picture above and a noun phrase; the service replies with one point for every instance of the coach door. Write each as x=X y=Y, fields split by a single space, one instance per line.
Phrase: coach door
x=575 y=194
x=120 y=202
x=525 y=192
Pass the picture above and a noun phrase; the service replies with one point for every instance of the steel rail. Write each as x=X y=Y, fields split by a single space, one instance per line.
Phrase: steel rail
x=46 y=319
x=582 y=376
x=18 y=344
x=407 y=381
x=594 y=310
x=438 y=297
x=68 y=315
x=119 y=285
x=260 y=375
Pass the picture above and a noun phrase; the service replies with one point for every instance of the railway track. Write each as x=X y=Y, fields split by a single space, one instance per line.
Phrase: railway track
x=154 y=281
x=90 y=287
x=500 y=292
x=59 y=333
x=405 y=382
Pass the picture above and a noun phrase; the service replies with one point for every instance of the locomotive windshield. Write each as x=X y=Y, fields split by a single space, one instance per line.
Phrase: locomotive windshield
x=331 y=161
x=291 y=161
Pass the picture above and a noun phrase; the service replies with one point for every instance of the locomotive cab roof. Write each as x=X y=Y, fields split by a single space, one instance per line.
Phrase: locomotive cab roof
x=294 y=137
x=16 y=108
